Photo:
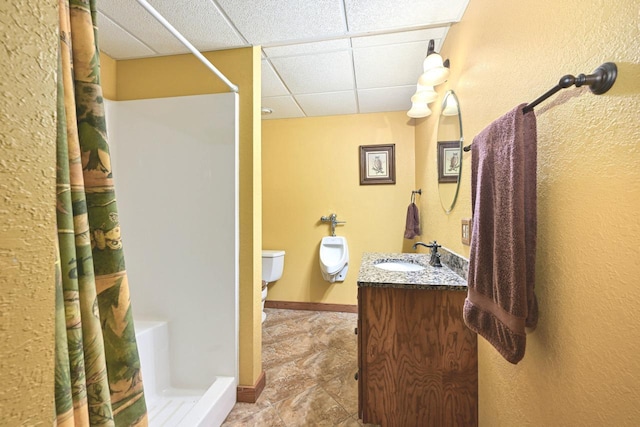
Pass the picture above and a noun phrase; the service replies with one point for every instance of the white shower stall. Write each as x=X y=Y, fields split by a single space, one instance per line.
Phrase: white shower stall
x=175 y=166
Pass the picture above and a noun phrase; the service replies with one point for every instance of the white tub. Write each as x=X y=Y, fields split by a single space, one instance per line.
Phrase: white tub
x=169 y=406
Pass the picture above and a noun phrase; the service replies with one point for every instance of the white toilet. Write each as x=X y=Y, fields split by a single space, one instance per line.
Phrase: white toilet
x=272 y=267
x=334 y=258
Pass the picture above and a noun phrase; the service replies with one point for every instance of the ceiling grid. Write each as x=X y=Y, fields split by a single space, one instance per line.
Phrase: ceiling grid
x=320 y=57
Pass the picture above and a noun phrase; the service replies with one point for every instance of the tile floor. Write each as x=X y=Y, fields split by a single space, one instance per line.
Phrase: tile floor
x=310 y=358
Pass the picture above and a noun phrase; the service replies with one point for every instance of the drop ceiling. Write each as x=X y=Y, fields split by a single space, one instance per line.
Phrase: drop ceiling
x=319 y=57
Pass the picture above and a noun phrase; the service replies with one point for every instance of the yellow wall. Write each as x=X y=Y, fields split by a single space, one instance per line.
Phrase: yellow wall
x=581 y=366
x=183 y=75
x=27 y=211
x=311 y=169
x=108 y=76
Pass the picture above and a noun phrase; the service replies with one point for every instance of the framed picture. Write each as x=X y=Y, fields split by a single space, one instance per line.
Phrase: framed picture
x=377 y=164
x=449 y=161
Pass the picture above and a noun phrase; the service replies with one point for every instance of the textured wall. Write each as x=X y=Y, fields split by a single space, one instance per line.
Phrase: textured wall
x=27 y=215
x=311 y=168
x=582 y=365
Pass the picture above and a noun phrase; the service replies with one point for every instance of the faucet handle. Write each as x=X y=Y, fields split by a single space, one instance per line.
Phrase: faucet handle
x=434 y=246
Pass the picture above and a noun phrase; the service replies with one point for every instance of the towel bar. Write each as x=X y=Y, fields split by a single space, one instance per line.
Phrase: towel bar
x=599 y=82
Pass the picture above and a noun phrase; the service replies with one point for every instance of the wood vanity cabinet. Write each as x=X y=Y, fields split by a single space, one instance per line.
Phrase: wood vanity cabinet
x=417 y=359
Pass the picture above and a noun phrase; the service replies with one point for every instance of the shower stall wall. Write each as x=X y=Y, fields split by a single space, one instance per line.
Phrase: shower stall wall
x=175 y=165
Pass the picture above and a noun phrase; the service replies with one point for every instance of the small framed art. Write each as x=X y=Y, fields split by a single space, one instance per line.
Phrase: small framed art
x=377 y=164
x=448 y=161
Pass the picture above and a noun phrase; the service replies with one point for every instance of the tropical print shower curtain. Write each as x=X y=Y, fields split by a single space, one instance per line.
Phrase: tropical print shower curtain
x=98 y=379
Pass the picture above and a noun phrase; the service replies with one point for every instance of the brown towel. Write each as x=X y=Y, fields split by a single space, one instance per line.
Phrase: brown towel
x=500 y=300
x=412 y=229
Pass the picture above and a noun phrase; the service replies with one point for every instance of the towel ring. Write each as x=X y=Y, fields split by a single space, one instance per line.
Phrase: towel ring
x=413 y=194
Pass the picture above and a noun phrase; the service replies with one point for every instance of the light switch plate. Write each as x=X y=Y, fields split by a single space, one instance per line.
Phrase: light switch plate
x=466 y=231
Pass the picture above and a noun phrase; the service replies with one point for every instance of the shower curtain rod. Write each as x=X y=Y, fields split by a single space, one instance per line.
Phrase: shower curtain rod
x=599 y=82
x=187 y=44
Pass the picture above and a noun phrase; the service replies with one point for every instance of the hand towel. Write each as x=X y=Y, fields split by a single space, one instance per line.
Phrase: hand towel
x=412 y=228
x=501 y=299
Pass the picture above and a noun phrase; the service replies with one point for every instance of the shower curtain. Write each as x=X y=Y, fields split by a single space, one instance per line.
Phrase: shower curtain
x=97 y=378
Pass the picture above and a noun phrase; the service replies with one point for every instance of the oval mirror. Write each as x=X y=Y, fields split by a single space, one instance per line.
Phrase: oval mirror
x=449 y=148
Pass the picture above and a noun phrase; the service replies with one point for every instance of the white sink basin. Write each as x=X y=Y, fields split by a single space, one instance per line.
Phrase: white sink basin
x=399 y=265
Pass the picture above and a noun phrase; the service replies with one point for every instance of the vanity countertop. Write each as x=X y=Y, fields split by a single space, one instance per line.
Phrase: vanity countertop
x=434 y=278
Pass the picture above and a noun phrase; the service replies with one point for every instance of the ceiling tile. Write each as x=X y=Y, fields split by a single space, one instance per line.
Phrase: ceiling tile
x=324 y=72
x=314 y=52
x=390 y=65
x=437 y=34
x=283 y=107
x=373 y=15
x=285 y=19
x=210 y=31
x=328 y=104
x=119 y=44
x=386 y=99
x=307 y=48
x=136 y=20
x=271 y=83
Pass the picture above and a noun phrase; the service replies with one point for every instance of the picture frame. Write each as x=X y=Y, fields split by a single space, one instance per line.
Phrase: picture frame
x=377 y=164
x=449 y=161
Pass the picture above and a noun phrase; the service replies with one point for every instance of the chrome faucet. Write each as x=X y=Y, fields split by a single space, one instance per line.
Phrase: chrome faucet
x=434 y=261
x=333 y=219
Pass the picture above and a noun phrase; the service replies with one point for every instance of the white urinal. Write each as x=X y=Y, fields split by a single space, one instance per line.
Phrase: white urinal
x=334 y=258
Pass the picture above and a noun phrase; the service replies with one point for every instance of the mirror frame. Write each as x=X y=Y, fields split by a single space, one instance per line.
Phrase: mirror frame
x=450 y=93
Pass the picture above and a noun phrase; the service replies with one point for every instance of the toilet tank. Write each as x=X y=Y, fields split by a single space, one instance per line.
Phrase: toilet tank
x=272 y=265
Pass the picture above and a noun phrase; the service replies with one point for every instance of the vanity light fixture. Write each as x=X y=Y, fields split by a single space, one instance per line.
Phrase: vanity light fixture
x=424 y=94
x=450 y=106
x=418 y=109
x=434 y=72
